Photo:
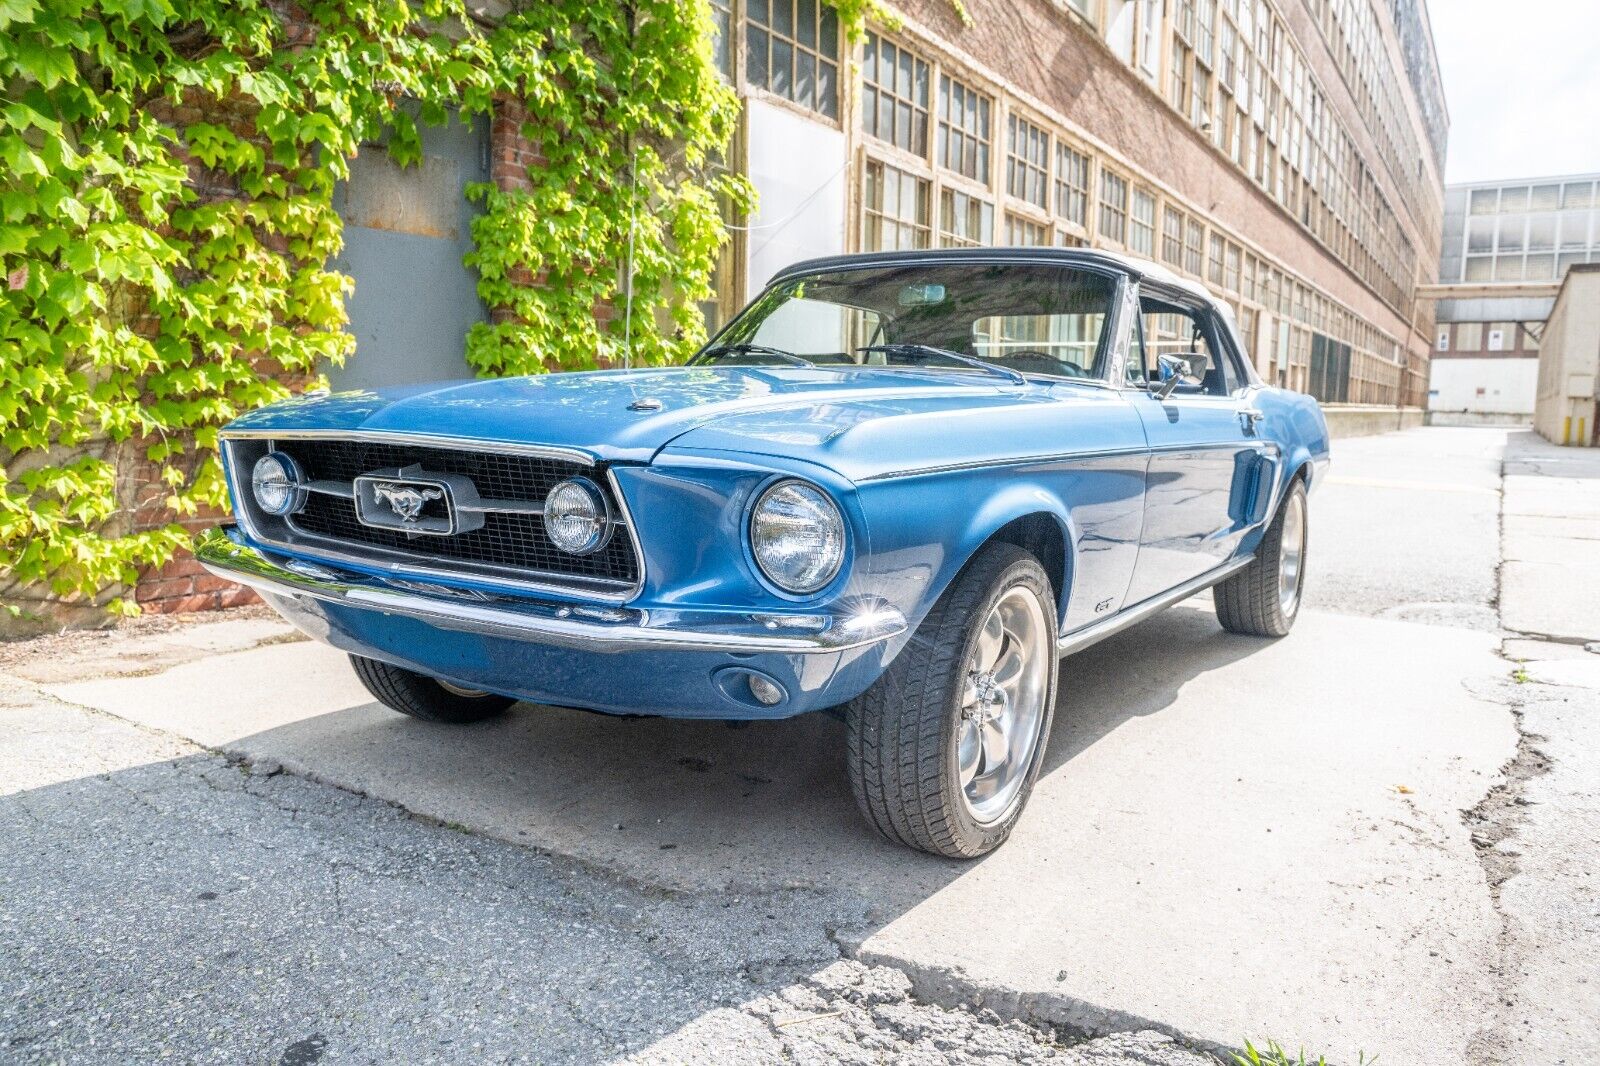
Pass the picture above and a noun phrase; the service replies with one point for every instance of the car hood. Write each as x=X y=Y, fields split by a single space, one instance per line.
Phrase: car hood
x=628 y=416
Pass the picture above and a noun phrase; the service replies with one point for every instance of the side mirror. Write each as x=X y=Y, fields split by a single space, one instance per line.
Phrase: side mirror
x=1181 y=369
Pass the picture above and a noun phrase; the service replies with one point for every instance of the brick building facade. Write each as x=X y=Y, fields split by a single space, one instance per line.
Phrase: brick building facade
x=1286 y=153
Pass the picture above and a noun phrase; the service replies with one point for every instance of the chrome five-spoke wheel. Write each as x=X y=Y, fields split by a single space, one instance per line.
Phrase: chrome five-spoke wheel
x=1002 y=706
x=945 y=747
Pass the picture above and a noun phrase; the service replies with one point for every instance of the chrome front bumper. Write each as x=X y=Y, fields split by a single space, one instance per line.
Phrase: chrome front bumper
x=608 y=629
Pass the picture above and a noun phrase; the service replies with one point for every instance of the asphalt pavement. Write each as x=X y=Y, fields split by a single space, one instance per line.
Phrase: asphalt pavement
x=1372 y=836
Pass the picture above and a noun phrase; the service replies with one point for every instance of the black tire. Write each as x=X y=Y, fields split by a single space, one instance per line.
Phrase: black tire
x=1249 y=601
x=423 y=697
x=902 y=732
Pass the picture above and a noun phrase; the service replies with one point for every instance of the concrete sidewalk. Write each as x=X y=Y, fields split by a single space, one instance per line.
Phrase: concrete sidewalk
x=1232 y=838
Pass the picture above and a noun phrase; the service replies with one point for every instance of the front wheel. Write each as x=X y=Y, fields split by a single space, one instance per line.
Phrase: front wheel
x=1263 y=598
x=944 y=749
x=426 y=697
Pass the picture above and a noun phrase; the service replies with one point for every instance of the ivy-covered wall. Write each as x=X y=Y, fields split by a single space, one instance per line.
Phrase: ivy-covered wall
x=166 y=220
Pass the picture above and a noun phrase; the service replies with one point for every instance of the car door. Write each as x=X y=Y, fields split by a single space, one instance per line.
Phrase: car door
x=1203 y=447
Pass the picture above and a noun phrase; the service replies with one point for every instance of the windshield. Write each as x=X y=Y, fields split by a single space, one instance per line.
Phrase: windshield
x=969 y=318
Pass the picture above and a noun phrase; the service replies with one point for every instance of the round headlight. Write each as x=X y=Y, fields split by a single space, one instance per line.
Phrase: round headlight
x=576 y=517
x=797 y=536
x=277 y=484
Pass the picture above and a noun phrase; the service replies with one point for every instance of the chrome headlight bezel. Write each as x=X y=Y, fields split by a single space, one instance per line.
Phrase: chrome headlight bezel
x=559 y=505
x=279 y=471
x=830 y=528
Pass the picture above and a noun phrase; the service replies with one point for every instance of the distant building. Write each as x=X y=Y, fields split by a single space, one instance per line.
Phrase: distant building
x=1567 y=410
x=1507 y=246
x=1287 y=154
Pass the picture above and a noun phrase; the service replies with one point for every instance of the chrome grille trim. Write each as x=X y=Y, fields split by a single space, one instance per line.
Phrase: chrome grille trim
x=382 y=558
x=425 y=440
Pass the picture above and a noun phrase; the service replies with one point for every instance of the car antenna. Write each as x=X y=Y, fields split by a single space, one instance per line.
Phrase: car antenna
x=627 y=300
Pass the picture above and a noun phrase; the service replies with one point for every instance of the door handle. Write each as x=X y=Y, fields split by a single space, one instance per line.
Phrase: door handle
x=1250 y=418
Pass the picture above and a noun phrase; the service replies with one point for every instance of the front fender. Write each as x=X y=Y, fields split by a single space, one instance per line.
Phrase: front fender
x=926 y=527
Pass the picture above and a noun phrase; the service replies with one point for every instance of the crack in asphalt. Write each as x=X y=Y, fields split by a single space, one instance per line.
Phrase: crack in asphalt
x=1495 y=819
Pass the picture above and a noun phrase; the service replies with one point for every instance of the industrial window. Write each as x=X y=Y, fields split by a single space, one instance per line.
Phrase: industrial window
x=1544 y=198
x=1028 y=162
x=963 y=129
x=1072 y=184
x=792 y=50
x=1514 y=201
x=1539 y=267
x=1180 y=77
x=721 y=31
x=1479 y=268
x=1512 y=232
x=1215 y=264
x=1576 y=195
x=1142 y=223
x=1508 y=268
x=894 y=95
x=1113 y=206
x=1024 y=232
x=1194 y=247
x=1480 y=234
x=894 y=210
x=1541 y=233
x=1172 y=236
x=1200 y=105
x=1574 y=231
x=964 y=220
x=1484 y=201
x=1469 y=336
x=1230 y=267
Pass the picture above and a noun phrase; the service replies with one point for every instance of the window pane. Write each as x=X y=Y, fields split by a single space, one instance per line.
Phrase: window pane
x=1544 y=198
x=1511 y=232
x=806 y=22
x=1541 y=233
x=1539 y=268
x=1485 y=201
x=782 y=67
x=1577 y=194
x=756 y=56
x=1512 y=200
x=1480 y=235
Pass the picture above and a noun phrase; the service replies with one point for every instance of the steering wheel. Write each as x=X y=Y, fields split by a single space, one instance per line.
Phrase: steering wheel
x=1041 y=363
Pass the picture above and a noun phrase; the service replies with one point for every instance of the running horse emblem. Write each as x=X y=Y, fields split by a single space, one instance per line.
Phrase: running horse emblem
x=406 y=501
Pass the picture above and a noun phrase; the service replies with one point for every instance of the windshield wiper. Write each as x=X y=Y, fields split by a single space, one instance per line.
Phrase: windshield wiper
x=928 y=351
x=753 y=349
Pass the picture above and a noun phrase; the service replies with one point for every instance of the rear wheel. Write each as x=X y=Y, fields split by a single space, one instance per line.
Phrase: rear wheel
x=1263 y=598
x=426 y=697
x=944 y=749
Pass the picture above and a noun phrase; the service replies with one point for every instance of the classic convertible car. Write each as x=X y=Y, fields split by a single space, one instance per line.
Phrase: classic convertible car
x=900 y=486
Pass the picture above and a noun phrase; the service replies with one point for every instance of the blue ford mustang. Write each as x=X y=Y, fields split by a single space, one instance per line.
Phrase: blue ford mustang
x=898 y=485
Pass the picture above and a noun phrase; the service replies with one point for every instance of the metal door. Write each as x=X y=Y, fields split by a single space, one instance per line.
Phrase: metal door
x=405 y=231
x=1204 y=451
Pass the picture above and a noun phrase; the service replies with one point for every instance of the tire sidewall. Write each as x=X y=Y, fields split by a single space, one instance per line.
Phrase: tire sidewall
x=1298 y=489
x=980 y=837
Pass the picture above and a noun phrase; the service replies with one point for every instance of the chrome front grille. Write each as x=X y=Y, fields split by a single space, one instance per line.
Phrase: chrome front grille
x=508 y=546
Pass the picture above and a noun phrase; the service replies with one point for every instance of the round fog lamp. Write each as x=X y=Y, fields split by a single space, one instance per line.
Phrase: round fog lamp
x=576 y=517
x=767 y=693
x=277 y=484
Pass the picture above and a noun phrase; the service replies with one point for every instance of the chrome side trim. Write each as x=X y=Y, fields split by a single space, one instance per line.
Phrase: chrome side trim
x=386 y=436
x=986 y=464
x=401 y=563
x=1094 y=633
x=222 y=552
